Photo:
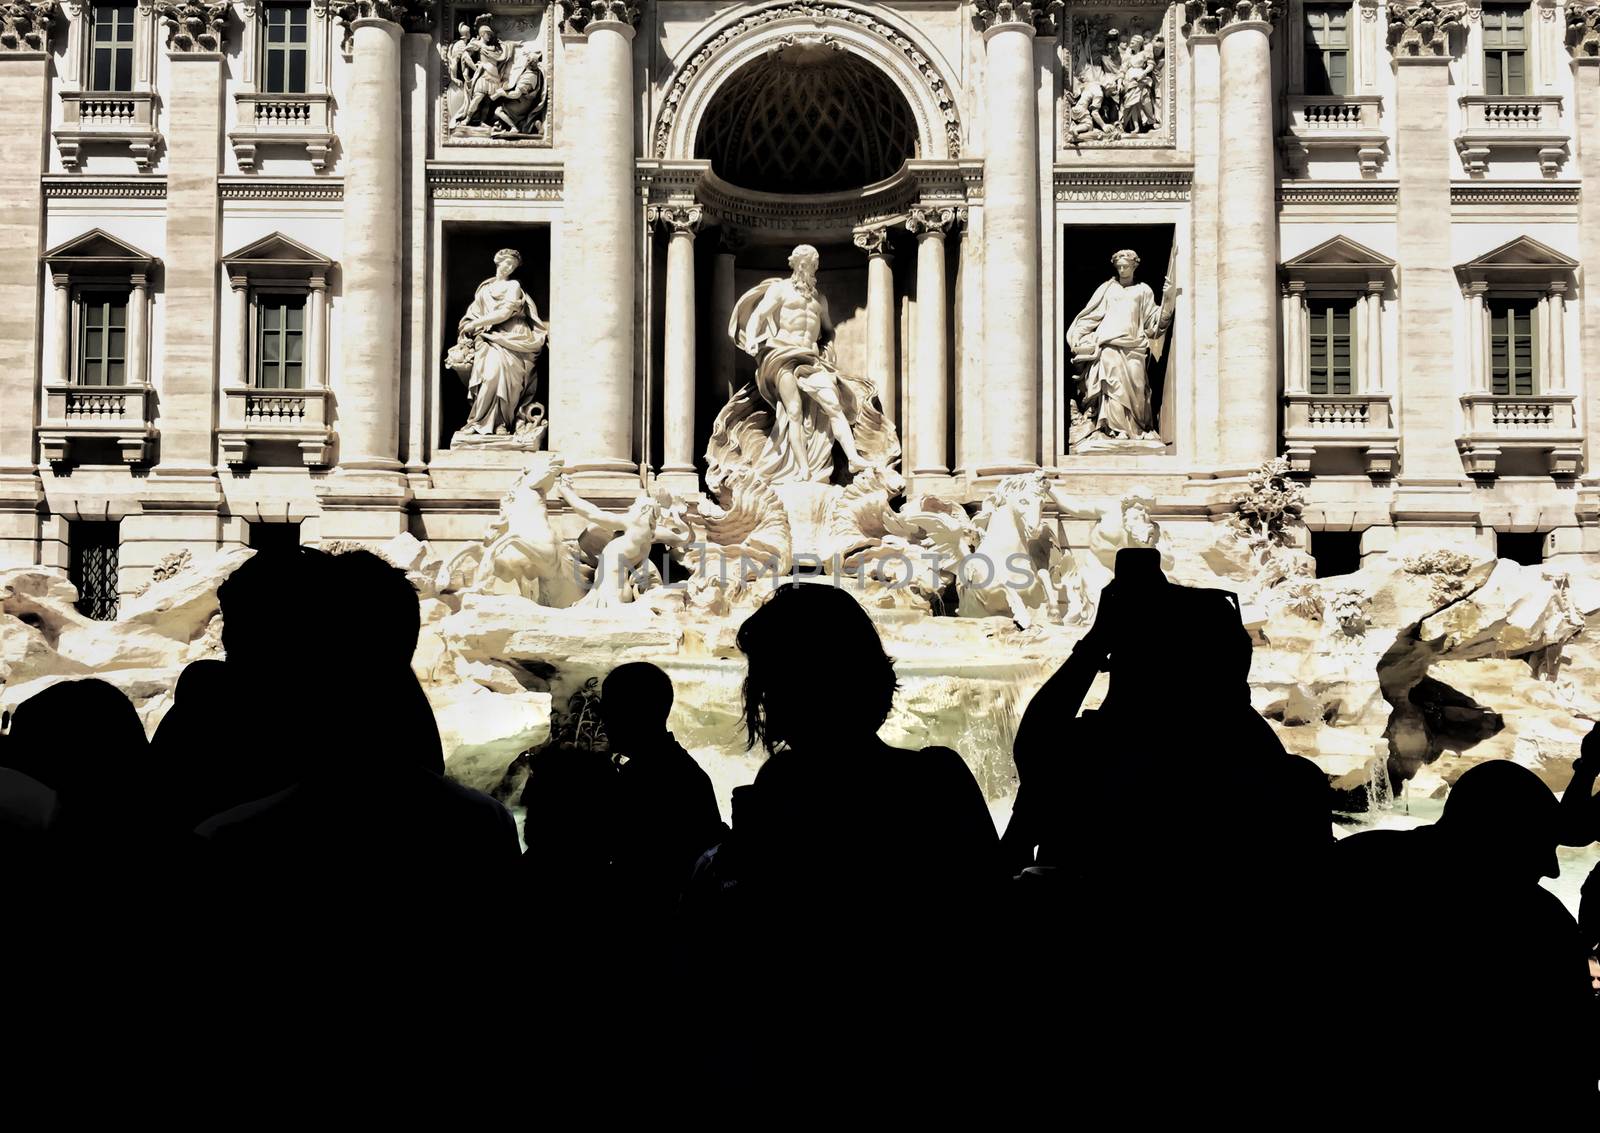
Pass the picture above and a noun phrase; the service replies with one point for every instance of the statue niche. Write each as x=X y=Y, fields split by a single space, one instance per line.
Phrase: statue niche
x=496 y=80
x=498 y=344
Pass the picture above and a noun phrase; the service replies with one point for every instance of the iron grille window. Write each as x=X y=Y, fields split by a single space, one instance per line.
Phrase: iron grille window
x=93 y=567
x=111 y=59
x=1327 y=43
x=1331 y=346
x=102 y=338
x=1511 y=353
x=286 y=48
x=1505 y=50
x=280 y=349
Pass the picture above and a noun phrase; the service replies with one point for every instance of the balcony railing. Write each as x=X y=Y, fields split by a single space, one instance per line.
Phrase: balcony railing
x=122 y=118
x=1335 y=122
x=1541 y=423
x=301 y=120
x=1322 y=423
x=253 y=417
x=1511 y=122
x=73 y=414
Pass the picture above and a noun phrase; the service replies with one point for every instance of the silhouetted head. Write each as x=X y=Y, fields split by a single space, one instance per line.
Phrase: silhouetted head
x=1501 y=819
x=634 y=703
x=818 y=674
x=275 y=607
x=78 y=738
x=376 y=607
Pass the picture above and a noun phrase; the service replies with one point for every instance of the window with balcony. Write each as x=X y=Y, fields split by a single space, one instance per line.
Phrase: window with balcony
x=1513 y=369
x=1505 y=49
x=93 y=547
x=280 y=341
x=111 y=54
x=1327 y=50
x=102 y=357
x=286 y=48
x=1330 y=349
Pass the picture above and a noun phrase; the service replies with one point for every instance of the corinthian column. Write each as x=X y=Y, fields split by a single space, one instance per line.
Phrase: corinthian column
x=592 y=389
x=1010 y=392
x=1583 y=38
x=930 y=399
x=678 y=348
x=1247 y=237
x=880 y=316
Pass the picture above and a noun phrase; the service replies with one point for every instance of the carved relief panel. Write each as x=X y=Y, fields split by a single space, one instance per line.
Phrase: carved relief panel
x=1117 y=79
x=495 y=75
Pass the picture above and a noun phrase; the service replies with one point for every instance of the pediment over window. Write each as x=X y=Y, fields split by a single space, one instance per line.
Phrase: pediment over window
x=1338 y=261
x=276 y=257
x=1523 y=260
x=99 y=252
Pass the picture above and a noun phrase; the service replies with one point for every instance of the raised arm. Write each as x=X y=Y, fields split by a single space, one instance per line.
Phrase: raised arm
x=1072 y=512
x=586 y=509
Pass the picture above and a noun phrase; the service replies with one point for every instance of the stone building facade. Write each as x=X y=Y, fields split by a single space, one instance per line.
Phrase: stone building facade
x=240 y=236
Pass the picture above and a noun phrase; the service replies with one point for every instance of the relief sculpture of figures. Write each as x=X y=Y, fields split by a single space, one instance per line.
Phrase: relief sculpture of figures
x=500 y=339
x=495 y=88
x=1113 y=81
x=786 y=425
x=1112 y=340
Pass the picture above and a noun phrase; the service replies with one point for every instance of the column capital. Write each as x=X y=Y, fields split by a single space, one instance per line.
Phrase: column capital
x=60 y=279
x=239 y=282
x=1583 y=31
x=1422 y=30
x=1557 y=287
x=731 y=239
x=138 y=280
x=194 y=26
x=872 y=241
x=932 y=220
x=1476 y=288
x=1210 y=17
x=677 y=220
x=1034 y=16
x=317 y=282
x=580 y=14
x=26 y=26
x=412 y=15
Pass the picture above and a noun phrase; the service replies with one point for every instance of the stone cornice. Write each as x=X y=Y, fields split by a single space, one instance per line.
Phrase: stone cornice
x=1422 y=31
x=539 y=183
x=1492 y=194
x=1038 y=16
x=1583 y=30
x=143 y=188
x=1377 y=194
x=1209 y=17
x=259 y=190
x=581 y=13
x=25 y=25
x=194 y=26
x=1123 y=185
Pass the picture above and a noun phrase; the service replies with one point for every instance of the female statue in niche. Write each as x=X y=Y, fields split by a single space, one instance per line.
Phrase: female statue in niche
x=500 y=339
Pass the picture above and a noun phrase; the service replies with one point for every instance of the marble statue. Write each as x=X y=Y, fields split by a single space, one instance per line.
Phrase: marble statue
x=1127 y=525
x=1019 y=569
x=1112 y=340
x=786 y=424
x=521 y=549
x=622 y=569
x=500 y=339
x=1113 y=81
x=494 y=87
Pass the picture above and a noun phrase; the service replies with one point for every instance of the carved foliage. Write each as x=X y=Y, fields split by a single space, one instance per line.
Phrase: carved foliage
x=582 y=13
x=932 y=219
x=1040 y=15
x=1583 y=30
x=26 y=25
x=413 y=15
x=1207 y=17
x=873 y=241
x=677 y=218
x=194 y=25
x=1422 y=30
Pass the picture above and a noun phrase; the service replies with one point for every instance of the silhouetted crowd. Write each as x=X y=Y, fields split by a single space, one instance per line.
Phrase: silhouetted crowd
x=282 y=888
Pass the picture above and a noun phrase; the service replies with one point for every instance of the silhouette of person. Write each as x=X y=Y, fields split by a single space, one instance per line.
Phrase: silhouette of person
x=1508 y=953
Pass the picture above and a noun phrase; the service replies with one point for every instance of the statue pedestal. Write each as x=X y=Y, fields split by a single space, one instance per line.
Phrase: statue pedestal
x=808 y=506
x=1101 y=443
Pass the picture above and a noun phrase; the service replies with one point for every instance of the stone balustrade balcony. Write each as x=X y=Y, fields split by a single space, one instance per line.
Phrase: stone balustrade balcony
x=1335 y=122
x=296 y=120
x=116 y=118
x=1505 y=123
x=76 y=414
x=1319 y=425
x=1541 y=429
x=252 y=418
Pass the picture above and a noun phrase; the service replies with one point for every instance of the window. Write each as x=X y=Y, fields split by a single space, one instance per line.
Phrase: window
x=1336 y=552
x=102 y=338
x=1331 y=347
x=1511 y=353
x=285 y=49
x=280 y=353
x=1327 y=45
x=93 y=567
x=1505 y=50
x=274 y=536
x=1524 y=547
x=111 y=49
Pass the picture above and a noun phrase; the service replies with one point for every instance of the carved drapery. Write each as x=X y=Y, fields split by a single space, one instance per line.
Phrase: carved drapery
x=1423 y=30
x=194 y=26
x=1040 y=16
x=26 y=25
x=1583 y=30
x=581 y=14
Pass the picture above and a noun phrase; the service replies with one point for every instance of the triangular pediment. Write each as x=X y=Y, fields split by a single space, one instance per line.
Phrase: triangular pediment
x=276 y=250
x=1340 y=252
x=1523 y=252
x=99 y=248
